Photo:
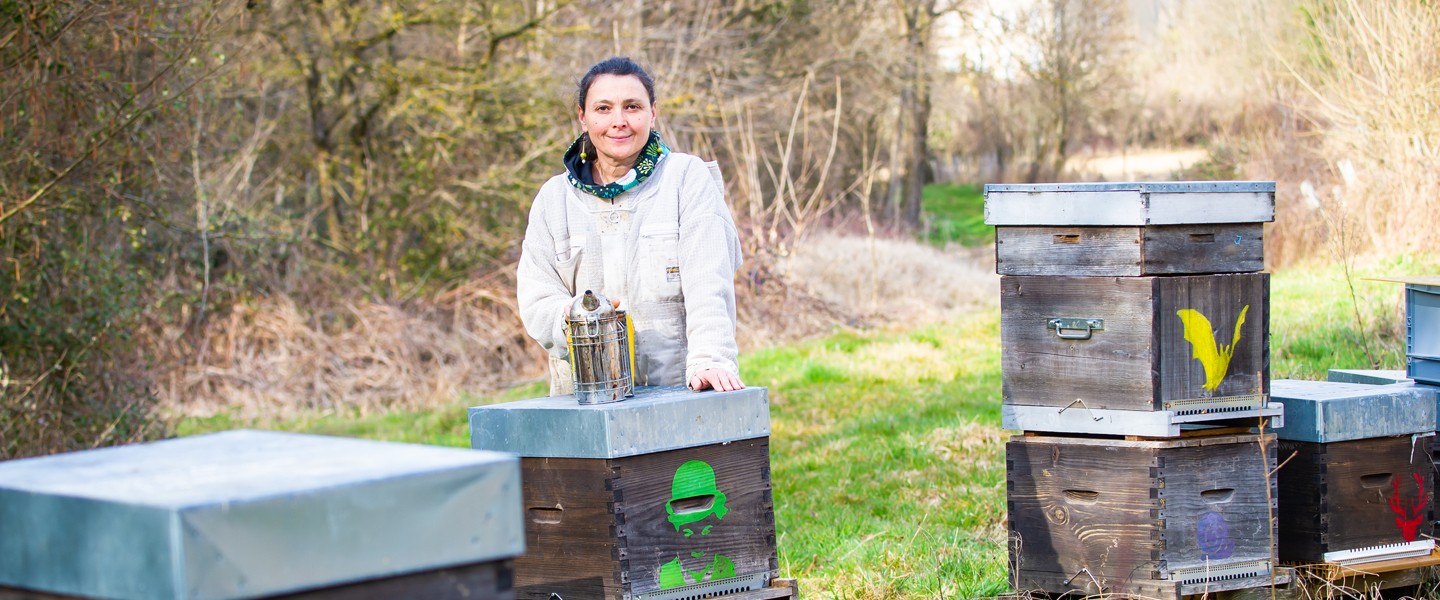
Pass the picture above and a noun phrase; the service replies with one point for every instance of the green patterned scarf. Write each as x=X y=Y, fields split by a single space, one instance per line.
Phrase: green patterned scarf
x=579 y=171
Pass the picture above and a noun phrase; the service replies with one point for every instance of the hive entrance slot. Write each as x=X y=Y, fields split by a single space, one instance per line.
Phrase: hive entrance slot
x=1375 y=480
x=546 y=515
x=1217 y=496
x=1082 y=496
x=692 y=504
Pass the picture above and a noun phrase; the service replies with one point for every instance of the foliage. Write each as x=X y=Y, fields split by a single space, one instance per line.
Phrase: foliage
x=956 y=214
x=188 y=179
x=1044 y=79
x=412 y=167
x=1363 y=76
x=86 y=84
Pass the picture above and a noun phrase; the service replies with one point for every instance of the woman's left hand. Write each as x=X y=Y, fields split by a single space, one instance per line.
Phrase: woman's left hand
x=718 y=379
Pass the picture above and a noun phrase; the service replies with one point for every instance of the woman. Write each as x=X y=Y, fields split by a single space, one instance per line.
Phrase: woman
x=635 y=221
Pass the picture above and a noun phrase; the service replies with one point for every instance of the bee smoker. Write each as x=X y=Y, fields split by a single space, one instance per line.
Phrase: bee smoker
x=600 y=353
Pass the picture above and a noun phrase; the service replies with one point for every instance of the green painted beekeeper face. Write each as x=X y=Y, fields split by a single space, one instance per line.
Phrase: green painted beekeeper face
x=693 y=497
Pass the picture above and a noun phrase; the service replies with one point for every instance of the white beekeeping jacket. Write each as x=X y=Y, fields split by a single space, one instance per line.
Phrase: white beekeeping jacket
x=668 y=247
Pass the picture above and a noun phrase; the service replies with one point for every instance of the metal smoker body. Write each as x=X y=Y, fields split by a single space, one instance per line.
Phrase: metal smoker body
x=600 y=356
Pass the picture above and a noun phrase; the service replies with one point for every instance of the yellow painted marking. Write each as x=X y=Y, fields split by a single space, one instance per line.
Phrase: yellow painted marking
x=1198 y=332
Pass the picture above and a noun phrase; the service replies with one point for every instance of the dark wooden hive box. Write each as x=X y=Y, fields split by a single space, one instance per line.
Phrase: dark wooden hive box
x=1136 y=343
x=1160 y=518
x=598 y=528
x=1129 y=228
x=1130 y=251
x=664 y=496
x=1360 y=495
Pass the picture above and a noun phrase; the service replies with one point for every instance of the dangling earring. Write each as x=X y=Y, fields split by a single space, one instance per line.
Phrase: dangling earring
x=583 y=138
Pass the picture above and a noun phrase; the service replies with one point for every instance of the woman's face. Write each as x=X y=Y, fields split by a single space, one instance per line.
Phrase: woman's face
x=618 y=116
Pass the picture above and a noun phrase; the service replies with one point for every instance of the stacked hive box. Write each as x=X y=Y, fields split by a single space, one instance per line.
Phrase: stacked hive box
x=249 y=514
x=1357 y=484
x=1130 y=314
x=1422 y=355
x=663 y=496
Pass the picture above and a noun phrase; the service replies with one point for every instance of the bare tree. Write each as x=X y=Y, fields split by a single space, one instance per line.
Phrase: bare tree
x=1079 y=72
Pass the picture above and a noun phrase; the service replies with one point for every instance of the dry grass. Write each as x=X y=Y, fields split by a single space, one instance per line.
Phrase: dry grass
x=1351 y=137
x=891 y=280
x=280 y=355
x=274 y=356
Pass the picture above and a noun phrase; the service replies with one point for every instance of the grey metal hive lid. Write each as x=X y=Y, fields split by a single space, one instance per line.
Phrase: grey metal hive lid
x=1328 y=411
x=244 y=514
x=1129 y=203
x=1367 y=376
x=655 y=420
x=1136 y=186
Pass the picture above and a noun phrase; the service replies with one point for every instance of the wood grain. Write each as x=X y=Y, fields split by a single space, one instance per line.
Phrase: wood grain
x=1112 y=369
x=572 y=539
x=1220 y=298
x=1091 y=517
x=745 y=535
x=1141 y=359
x=1129 y=251
x=1336 y=496
x=599 y=528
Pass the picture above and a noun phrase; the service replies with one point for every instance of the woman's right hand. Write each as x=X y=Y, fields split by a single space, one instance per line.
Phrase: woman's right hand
x=719 y=380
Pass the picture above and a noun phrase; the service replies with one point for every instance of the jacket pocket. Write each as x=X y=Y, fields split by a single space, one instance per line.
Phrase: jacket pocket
x=660 y=265
x=568 y=269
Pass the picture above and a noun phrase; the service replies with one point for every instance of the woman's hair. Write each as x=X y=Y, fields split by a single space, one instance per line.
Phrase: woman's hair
x=615 y=65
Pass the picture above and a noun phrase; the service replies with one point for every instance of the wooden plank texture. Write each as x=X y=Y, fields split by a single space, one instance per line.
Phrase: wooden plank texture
x=1186 y=367
x=1352 y=495
x=1129 y=251
x=1081 y=517
x=1217 y=507
x=572 y=539
x=1094 y=518
x=1177 y=338
x=612 y=528
x=740 y=529
x=1197 y=249
x=1112 y=369
x=1072 y=251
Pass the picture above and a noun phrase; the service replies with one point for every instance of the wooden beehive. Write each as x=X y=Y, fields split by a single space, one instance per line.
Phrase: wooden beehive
x=1130 y=251
x=598 y=528
x=1129 y=229
x=663 y=496
x=1175 y=343
x=1161 y=518
x=1359 y=498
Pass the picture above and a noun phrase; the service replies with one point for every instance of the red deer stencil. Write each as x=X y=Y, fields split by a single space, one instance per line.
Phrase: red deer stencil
x=1410 y=514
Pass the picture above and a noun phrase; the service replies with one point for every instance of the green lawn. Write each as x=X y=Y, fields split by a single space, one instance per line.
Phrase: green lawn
x=955 y=214
x=888 y=459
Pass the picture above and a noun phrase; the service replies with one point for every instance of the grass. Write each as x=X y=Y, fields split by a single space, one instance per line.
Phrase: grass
x=888 y=459
x=1317 y=323
x=955 y=214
